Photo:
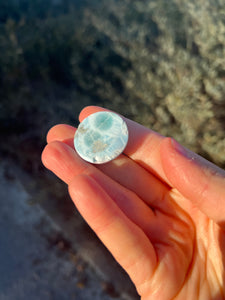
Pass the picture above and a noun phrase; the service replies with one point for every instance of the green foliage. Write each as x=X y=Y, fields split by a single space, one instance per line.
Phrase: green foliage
x=181 y=77
x=159 y=62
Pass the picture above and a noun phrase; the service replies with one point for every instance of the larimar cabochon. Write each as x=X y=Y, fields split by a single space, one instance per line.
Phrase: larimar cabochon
x=101 y=137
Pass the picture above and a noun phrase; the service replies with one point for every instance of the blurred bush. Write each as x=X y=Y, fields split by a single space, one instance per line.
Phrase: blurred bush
x=177 y=52
x=159 y=62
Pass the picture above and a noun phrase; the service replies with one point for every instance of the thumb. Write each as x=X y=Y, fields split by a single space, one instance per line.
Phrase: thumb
x=195 y=178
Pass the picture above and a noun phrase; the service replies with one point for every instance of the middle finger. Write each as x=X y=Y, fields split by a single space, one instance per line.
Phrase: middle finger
x=122 y=169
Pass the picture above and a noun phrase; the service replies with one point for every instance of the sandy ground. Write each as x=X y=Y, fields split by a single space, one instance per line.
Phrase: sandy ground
x=36 y=262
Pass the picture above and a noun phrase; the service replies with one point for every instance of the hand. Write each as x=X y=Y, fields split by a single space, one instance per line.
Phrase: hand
x=158 y=208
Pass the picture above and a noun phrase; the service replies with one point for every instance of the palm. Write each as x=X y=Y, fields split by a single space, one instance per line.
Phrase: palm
x=170 y=249
x=181 y=237
x=187 y=264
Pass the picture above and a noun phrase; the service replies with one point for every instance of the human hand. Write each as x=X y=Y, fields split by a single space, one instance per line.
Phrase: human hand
x=158 y=208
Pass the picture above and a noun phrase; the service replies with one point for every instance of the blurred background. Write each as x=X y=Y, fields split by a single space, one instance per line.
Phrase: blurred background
x=158 y=62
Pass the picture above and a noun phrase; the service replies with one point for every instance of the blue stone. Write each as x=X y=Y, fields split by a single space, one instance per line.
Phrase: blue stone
x=101 y=137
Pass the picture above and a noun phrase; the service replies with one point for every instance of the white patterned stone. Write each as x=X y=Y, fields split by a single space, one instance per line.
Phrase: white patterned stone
x=101 y=137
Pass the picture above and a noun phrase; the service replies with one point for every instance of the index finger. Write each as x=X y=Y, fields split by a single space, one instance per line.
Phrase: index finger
x=143 y=144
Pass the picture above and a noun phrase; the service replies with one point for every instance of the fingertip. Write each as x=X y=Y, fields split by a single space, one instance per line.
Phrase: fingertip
x=59 y=158
x=50 y=152
x=60 y=132
x=51 y=133
x=44 y=155
x=88 y=110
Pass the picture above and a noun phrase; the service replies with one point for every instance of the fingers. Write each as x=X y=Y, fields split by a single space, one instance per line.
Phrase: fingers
x=60 y=132
x=143 y=144
x=127 y=243
x=195 y=178
x=65 y=163
x=123 y=170
x=135 y=178
x=63 y=133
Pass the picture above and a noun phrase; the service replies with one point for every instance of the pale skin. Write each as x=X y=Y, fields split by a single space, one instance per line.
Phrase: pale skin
x=158 y=208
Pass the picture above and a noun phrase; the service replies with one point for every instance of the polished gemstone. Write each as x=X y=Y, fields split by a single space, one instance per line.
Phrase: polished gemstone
x=101 y=137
